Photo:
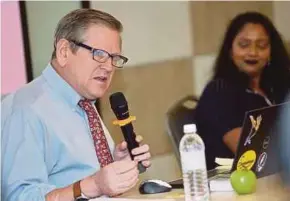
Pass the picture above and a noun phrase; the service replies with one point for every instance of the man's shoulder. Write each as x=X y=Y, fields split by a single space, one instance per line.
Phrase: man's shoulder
x=25 y=97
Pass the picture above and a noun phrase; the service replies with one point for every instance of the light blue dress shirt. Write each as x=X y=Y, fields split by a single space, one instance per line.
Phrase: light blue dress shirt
x=46 y=142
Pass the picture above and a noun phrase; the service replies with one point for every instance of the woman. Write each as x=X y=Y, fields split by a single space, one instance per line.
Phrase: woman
x=251 y=71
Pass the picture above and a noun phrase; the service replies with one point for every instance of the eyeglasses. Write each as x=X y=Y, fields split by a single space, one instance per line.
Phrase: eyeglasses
x=102 y=56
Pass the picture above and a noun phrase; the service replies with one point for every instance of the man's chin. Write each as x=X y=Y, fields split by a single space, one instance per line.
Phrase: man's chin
x=98 y=91
x=99 y=94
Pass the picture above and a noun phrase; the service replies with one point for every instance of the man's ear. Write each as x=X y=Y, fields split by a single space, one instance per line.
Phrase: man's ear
x=62 y=51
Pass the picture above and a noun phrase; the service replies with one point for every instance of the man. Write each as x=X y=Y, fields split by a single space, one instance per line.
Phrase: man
x=54 y=144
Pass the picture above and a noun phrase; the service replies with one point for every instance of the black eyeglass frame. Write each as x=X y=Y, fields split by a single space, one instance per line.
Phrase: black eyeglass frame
x=92 y=50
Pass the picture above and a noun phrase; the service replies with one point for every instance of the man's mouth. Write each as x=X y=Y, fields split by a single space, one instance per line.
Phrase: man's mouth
x=101 y=78
x=251 y=61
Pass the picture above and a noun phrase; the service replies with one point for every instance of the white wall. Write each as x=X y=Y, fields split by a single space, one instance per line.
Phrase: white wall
x=281 y=11
x=202 y=71
x=43 y=17
x=153 y=31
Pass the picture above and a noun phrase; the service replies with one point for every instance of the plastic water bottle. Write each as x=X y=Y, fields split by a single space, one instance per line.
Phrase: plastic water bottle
x=193 y=164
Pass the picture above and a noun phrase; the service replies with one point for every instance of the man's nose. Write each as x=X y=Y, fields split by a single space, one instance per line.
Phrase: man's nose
x=108 y=65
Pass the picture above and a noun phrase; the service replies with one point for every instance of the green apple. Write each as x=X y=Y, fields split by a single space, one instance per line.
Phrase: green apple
x=244 y=181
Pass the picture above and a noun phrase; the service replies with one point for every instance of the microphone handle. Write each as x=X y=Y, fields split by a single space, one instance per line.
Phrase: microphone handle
x=130 y=138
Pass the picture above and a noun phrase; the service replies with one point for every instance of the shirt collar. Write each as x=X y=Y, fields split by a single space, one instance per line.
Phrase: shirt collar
x=60 y=86
x=265 y=97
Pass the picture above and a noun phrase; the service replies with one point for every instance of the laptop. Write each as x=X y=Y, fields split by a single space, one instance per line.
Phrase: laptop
x=257 y=149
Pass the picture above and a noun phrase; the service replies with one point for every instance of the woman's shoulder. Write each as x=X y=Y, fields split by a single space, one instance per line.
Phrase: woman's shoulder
x=219 y=92
x=220 y=86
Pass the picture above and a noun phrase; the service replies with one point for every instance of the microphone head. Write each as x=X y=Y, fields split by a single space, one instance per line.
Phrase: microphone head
x=119 y=105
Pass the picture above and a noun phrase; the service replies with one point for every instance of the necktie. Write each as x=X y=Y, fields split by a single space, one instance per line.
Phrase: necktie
x=100 y=141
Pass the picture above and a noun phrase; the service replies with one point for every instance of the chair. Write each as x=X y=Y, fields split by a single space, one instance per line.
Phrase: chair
x=183 y=112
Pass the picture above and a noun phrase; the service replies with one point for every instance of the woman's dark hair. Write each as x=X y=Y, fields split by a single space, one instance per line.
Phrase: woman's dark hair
x=275 y=77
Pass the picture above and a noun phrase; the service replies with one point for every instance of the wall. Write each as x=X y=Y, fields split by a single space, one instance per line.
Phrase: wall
x=210 y=20
x=43 y=17
x=202 y=68
x=149 y=28
x=281 y=18
x=13 y=74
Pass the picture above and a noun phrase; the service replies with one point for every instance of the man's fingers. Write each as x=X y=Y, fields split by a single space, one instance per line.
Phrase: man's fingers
x=140 y=150
x=119 y=176
x=122 y=167
x=130 y=182
x=139 y=138
x=125 y=187
x=122 y=146
x=146 y=163
x=127 y=178
x=143 y=157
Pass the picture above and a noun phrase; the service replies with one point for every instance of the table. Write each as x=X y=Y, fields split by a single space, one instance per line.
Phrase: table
x=268 y=188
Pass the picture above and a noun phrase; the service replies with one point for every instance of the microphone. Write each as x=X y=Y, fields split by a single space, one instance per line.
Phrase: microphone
x=119 y=106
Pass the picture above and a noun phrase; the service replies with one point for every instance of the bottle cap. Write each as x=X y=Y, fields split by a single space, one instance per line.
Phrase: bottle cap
x=189 y=128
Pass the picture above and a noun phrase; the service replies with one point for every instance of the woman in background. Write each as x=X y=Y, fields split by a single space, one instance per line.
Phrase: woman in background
x=251 y=71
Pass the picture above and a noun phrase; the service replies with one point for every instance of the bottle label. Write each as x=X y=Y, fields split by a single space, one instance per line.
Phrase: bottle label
x=193 y=160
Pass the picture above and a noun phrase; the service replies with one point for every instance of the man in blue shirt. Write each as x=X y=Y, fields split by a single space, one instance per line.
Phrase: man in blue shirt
x=284 y=139
x=47 y=144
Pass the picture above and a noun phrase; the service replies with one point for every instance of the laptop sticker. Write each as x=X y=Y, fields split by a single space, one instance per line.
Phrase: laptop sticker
x=255 y=127
x=261 y=162
x=247 y=160
x=266 y=142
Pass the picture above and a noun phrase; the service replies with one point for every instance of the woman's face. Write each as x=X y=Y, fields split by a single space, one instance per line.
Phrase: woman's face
x=251 y=49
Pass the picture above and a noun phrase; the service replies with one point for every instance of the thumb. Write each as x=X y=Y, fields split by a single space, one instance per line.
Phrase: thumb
x=122 y=146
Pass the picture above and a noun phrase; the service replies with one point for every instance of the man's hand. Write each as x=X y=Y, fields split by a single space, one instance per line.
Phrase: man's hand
x=117 y=177
x=141 y=153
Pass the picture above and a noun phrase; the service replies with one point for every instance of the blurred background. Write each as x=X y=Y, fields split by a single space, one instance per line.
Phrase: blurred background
x=171 y=48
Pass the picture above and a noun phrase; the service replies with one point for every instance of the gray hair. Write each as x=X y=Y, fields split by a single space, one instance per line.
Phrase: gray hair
x=73 y=26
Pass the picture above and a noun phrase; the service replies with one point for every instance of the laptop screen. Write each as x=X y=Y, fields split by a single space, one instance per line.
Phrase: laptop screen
x=257 y=149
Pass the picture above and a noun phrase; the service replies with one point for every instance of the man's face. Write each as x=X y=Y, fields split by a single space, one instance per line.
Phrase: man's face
x=87 y=76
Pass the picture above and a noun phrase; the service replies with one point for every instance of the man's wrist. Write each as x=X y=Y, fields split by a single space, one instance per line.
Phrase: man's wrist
x=77 y=193
x=89 y=187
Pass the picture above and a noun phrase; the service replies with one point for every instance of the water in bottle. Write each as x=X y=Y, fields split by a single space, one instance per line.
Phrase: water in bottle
x=193 y=164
